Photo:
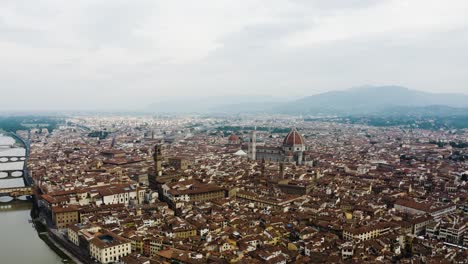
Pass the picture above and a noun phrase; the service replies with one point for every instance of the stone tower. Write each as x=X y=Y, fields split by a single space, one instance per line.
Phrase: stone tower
x=281 y=170
x=158 y=158
x=262 y=168
x=252 y=145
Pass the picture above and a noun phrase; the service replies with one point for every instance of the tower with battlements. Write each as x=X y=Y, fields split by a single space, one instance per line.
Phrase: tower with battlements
x=158 y=159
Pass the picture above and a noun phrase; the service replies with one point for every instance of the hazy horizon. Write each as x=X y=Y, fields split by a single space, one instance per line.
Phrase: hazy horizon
x=89 y=55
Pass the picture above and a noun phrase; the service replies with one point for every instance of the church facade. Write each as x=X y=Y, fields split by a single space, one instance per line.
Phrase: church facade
x=293 y=150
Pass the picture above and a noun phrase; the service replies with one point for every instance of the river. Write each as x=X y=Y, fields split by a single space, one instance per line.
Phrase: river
x=20 y=242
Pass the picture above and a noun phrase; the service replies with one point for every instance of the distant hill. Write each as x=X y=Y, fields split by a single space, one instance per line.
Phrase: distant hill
x=366 y=100
x=376 y=100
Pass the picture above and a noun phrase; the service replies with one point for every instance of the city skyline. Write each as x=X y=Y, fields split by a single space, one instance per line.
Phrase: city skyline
x=259 y=189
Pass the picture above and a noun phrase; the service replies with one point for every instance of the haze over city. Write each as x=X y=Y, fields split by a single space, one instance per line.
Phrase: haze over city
x=234 y=131
x=127 y=55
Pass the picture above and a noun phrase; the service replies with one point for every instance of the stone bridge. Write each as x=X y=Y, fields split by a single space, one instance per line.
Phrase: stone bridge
x=16 y=191
x=12 y=159
x=15 y=179
x=9 y=174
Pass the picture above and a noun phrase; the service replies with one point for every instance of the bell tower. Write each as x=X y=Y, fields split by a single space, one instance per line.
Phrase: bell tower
x=252 y=151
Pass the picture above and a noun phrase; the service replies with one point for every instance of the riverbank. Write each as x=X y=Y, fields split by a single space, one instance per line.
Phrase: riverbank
x=61 y=252
x=42 y=232
x=28 y=241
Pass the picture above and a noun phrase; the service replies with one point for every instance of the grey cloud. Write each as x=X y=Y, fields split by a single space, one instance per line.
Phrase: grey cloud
x=98 y=56
x=115 y=25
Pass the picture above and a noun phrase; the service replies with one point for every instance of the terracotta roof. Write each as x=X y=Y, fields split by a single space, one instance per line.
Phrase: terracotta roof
x=65 y=209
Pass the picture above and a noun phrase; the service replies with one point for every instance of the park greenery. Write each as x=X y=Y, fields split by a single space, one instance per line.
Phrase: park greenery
x=15 y=123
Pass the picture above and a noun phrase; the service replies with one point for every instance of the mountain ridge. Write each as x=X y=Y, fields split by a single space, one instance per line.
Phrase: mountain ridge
x=361 y=100
x=370 y=99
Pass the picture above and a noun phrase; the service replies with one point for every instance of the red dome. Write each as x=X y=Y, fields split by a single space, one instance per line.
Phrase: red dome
x=293 y=138
x=233 y=137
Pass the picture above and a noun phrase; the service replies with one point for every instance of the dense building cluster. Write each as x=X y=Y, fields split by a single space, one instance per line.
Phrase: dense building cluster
x=183 y=190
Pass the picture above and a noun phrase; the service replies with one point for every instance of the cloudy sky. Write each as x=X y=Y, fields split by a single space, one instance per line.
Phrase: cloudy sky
x=83 y=54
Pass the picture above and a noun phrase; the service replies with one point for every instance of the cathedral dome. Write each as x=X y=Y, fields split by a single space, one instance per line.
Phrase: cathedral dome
x=233 y=137
x=293 y=138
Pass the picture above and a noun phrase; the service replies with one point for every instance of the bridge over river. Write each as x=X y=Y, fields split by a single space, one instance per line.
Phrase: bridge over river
x=15 y=180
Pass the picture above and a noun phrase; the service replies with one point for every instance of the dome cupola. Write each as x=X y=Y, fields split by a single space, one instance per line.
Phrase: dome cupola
x=294 y=141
